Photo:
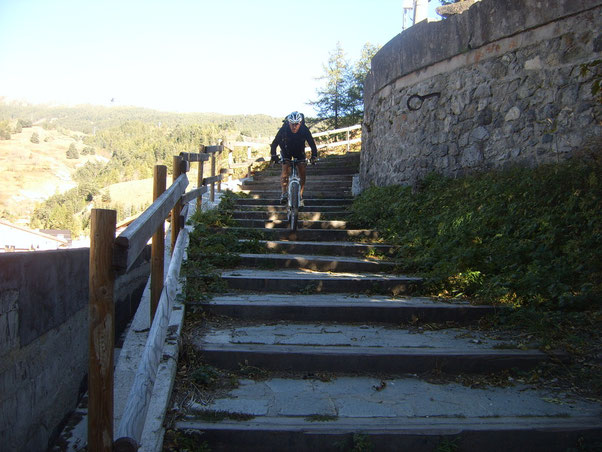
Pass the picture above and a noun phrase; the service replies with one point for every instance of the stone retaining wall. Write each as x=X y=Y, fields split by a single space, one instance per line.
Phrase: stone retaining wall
x=505 y=84
x=44 y=339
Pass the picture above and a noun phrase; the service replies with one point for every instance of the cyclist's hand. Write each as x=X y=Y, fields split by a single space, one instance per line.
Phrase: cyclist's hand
x=313 y=159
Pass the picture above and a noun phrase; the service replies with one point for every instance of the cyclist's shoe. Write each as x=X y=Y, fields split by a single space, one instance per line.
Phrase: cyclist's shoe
x=301 y=203
x=283 y=198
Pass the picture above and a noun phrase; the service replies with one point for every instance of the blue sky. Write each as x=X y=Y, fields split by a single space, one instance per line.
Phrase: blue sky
x=225 y=56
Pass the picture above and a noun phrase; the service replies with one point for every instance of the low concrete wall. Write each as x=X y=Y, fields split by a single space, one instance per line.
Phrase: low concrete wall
x=506 y=88
x=44 y=339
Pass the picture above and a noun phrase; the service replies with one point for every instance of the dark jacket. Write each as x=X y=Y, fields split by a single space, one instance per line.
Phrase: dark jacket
x=293 y=144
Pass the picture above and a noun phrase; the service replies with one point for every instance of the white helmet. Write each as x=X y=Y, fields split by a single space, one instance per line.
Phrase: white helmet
x=294 y=118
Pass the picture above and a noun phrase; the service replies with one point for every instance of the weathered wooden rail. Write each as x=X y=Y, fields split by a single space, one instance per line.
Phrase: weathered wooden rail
x=348 y=141
x=110 y=255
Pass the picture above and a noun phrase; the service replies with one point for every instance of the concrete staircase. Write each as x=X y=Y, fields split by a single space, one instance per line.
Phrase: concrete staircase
x=333 y=349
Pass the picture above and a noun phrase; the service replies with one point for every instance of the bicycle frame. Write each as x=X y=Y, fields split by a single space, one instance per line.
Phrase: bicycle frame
x=294 y=195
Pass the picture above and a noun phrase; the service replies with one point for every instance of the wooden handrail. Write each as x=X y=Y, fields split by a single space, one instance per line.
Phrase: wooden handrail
x=193 y=194
x=332 y=132
x=122 y=252
x=192 y=157
x=337 y=143
x=132 y=422
x=130 y=243
x=214 y=149
x=347 y=142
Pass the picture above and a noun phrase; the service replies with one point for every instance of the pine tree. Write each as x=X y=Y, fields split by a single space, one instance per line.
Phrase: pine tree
x=341 y=101
x=355 y=111
x=332 y=98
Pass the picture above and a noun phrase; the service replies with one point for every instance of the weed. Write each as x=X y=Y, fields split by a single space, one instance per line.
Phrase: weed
x=509 y=346
x=214 y=244
x=361 y=443
x=448 y=445
x=584 y=445
x=252 y=372
x=205 y=375
x=179 y=441
x=321 y=418
x=309 y=289
x=218 y=416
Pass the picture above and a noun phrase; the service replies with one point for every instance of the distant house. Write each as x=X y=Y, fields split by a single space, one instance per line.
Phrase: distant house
x=18 y=238
x=63 y=234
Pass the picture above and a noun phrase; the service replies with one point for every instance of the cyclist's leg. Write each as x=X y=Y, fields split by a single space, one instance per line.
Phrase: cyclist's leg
x=302 y=166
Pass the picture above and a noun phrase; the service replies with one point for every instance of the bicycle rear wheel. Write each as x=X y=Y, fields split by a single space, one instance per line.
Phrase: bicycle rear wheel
x=294 y=206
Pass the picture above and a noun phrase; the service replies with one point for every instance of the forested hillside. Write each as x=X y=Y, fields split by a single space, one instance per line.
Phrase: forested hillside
x=135 y=139
x=88 y=118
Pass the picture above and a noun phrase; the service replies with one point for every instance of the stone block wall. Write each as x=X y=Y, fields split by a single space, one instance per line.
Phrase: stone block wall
x=44 y=339
x=505 y=87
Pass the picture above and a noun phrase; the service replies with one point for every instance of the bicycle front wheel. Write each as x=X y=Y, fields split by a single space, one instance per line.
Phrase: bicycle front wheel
x=294 y=206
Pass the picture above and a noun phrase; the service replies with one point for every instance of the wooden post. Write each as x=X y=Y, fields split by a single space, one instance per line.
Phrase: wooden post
x=175 y=213
x=249 y=156
x=348 y=140
x=101 y=336
x=230 y=158
x=158 y=243
x=199 y=184
x=212 y=192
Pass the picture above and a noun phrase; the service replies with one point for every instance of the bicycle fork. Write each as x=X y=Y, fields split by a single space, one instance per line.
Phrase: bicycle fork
x=294 y=197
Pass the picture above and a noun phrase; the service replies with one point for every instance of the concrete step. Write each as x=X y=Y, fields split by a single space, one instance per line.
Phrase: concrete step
x=309 y=192
x=341 y=179
x=316 y=263
x=317 y=235
x=310 y=185
x=361 y=349
x=407 y=414
x=318 y=282
x=340 y=159
x=329 y=164
x=344 y=308
x=333 y=248
x=318 y=170
x=276 y=207
x=309 y=202
x=303 y=224
x=282 y=215
x=264 y=178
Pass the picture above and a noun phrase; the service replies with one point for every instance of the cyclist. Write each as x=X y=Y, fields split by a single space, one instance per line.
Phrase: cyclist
x=291 y=138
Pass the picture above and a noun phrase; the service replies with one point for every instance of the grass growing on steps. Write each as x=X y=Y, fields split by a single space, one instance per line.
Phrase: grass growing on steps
x=211 y=248
x=523 y=236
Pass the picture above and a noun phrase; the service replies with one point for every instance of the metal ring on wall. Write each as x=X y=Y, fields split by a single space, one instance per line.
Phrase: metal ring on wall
x=421 y=99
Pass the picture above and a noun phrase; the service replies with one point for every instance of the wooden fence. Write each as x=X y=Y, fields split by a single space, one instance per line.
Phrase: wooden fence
x=348 y=141
x=110 y=255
